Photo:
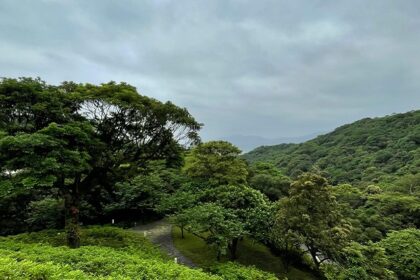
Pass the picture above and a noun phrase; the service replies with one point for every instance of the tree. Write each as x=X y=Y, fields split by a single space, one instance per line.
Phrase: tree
x=77 y=137
x=175 y=204
x=311 y=217
x=218 y=226
x=403 y=250
x=55 y=156
x=238 y=205
x=251 y=209
x=137 y=196
x=216 y=162
x=360 y=262
x=266 y=178
x=282 y=238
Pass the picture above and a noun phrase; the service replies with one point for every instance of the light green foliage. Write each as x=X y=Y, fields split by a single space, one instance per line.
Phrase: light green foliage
x=218 y=206
x=250 y=207
x=11 y=268
x=216 y=162
x=369 y=150
x=218 y=226
x=221 y=215
x=360 y=262
x=312 y=217
x=234 y=271
x=403 y=250
x=120 y=255
x=106 y=253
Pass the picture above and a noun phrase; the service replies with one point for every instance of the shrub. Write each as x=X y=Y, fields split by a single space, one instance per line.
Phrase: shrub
x=108 y=253
x=233 y=271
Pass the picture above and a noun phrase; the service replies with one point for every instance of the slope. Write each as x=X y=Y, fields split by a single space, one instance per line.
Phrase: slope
x=367 y=151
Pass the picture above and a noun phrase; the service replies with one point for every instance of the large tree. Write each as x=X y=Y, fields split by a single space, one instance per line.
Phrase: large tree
x=311 y=218
x=75 y=137
x=216 y=162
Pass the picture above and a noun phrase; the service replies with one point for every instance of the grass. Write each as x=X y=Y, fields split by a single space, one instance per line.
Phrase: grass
x=249 y=253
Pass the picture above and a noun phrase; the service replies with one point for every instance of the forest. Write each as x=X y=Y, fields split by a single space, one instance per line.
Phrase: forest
x=85 y=169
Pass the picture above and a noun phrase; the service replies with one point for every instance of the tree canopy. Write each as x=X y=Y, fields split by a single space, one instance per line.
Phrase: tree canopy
x=368 y=151
x=75 y=137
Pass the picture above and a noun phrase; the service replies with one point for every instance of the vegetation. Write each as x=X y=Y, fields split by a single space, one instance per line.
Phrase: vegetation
x=77 y=138
x=310 y=218
x=365 y=152
x=360 y=262
x=345 y=205
x=403 y=249
x=250 y=253
x=107 y=253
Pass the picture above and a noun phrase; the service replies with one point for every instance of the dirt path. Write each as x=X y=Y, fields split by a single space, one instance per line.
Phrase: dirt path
x=160 y=233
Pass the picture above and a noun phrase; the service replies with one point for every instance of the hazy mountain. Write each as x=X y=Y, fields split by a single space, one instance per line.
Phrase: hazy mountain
x=248 y=142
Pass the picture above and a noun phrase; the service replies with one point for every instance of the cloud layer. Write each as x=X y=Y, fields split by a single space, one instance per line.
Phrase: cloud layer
x=265 y=68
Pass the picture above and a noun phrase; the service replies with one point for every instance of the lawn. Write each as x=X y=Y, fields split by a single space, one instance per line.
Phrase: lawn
x=249 y=253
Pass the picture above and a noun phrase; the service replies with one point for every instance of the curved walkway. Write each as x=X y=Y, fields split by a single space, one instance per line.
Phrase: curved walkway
x=160 y=233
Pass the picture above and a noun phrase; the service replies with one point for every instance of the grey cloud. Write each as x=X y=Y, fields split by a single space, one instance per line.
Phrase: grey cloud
x=267 y=68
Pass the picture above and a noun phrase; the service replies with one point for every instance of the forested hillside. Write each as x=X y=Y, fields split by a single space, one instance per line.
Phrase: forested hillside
x=368 y=151
x=79 y=160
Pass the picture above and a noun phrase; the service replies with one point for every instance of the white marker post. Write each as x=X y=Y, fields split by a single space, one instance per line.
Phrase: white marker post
x=112 y=221
x=175 y=260
x=144 y=233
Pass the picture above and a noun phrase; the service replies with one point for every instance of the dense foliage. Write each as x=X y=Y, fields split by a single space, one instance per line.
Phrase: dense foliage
x=345 y=205
x=106 y=253
x=310 y=218
x=403 y=249
x=218 y=206
x=73 y=139
x=367 y=151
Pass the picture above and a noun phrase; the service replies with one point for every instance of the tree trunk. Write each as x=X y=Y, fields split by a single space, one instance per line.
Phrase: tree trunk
x=71 y=203
x=233 y=246
x=314 y=258
x=182 y=232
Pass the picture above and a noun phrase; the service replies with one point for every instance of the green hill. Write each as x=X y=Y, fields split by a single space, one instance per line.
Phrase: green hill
x=367 y=151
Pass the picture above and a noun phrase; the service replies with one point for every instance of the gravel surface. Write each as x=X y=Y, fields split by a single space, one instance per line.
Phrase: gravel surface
x=160 y=233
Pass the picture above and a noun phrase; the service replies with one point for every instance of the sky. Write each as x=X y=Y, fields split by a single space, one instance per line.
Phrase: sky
x=272 y=69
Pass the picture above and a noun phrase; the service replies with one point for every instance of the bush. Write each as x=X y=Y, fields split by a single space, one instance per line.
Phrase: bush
x=106 y=253
x=28 y=270
x=233 y=271
x=121 y=254
x=93 y=261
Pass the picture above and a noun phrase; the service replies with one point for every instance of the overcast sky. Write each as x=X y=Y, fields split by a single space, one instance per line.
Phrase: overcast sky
x=264 y=68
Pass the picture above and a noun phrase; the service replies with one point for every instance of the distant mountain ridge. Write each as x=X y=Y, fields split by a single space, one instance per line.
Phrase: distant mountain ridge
x=367 y=151
x=249 y=142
